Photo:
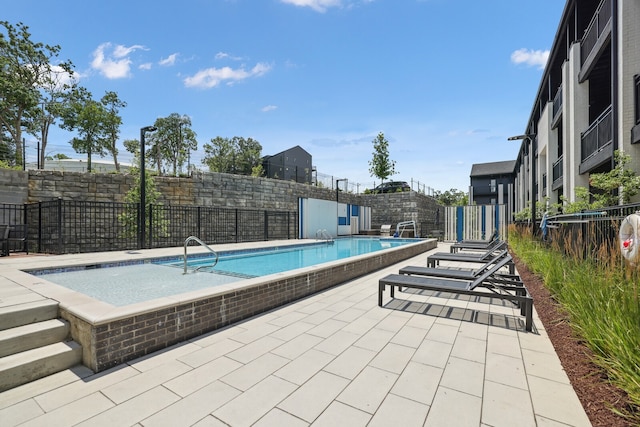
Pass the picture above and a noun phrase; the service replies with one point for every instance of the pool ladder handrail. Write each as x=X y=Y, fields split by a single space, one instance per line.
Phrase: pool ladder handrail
x=201 y=243
x=323 y=234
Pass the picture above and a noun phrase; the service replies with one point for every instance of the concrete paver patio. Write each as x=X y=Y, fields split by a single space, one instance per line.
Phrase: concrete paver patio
x=335 y=358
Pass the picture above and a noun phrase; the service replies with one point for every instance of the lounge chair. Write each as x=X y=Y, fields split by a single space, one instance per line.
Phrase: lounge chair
x=516 y=292
x=478 y=246
x=4 y=239
x=433 y=260
x=466 y=274
x=494 y=236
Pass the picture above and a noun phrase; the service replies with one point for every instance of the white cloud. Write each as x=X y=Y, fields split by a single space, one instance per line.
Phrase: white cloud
x=169 y=61
x=145 y=66
x=224 y=55
x=212 y=77
x=113 y=62
x=267 y=108
x=529 y=57
x=317 y=5
x=59 y=77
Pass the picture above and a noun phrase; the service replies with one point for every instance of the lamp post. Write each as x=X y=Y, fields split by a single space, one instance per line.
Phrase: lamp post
x=143 y=187
x=532 y=140
x=338 y=205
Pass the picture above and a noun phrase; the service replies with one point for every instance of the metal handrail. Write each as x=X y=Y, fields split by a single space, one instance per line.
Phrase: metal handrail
x=201 y=243
x=324 y=234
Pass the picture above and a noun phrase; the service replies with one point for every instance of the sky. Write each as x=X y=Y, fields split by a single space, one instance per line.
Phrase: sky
x=446 y=81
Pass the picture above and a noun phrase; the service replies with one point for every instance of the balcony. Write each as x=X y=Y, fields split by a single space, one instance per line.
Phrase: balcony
x=557 y=174
x=597 y=142
x=595 y=38
x=557 y=108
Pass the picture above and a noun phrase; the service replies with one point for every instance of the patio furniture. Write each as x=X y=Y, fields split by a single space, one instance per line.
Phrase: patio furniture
x=474 y=245
x=4 y=239
x=433 y=260
x=466 y=273
x=481 y=286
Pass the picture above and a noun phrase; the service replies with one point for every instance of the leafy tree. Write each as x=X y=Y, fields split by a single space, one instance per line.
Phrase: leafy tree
x=25 y=66
x=172 y=142
x=452 y=197
x=60 y=156
x=113 y=121
x=620 y=179
x=129 y=218
x=236 y=155
x=380 y=165
x=90 y=119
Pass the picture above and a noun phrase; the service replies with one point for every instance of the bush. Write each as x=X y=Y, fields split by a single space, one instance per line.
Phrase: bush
x=600 y=295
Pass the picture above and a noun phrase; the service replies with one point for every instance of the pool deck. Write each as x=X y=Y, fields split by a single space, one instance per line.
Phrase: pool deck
x=332 y=359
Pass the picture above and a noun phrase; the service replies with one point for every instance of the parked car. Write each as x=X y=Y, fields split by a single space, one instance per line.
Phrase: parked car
x=392 y=187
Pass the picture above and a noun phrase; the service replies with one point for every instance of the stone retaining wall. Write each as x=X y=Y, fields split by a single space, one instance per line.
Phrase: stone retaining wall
x=213 y=189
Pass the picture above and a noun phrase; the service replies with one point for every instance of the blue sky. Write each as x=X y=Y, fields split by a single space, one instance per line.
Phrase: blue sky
x=446 y=81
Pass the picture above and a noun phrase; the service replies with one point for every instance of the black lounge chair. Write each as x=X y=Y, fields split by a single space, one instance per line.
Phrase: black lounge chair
x=476 y=246
x=433 y=260
x=494 y=236
x=4 y=239
x=516 y=292
x=466 y=274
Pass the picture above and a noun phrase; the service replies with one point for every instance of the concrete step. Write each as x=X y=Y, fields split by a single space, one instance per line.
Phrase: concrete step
x=34 y=335
x=27 y=366
x=24 y=314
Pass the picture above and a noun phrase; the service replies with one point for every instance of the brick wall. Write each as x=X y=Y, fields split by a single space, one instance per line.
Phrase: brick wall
x=109 y=343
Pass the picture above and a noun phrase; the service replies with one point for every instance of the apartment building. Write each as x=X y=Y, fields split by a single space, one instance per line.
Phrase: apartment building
x=587 y=105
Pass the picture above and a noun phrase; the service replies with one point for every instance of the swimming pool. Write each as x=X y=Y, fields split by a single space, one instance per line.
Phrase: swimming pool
x=110 y=335
x=121 y=285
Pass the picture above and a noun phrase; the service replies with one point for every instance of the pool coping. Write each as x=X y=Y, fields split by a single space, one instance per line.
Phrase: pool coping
x=112 y=335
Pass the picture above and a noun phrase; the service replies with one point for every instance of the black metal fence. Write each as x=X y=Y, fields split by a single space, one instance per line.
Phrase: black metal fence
x=66 y=226
x=590 y=233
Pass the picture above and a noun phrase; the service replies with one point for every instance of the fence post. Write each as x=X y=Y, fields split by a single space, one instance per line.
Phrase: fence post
x=39 y=227
x=60 y=240
x=237 y=231
x=198 y=222
x=150 y=222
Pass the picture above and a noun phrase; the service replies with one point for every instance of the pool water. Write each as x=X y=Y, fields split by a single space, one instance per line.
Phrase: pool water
x=130 y=284
x=262 y=263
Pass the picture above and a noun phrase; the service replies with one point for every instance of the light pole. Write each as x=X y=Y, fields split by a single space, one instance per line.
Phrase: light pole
x=338 y=205
x=143 y=187
x=532 y=140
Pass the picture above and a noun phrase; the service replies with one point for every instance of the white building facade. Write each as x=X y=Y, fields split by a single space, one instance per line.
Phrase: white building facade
x=587 y=105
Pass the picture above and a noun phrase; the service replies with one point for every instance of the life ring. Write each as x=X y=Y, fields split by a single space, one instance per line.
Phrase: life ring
x=629 y=237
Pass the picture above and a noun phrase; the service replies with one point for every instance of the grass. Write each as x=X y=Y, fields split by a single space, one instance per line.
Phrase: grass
x=600 y=294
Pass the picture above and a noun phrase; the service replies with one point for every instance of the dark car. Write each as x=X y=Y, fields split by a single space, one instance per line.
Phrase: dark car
x=392 y=187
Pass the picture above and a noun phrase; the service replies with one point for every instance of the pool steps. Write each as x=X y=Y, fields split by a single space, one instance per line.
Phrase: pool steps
x=33 y=343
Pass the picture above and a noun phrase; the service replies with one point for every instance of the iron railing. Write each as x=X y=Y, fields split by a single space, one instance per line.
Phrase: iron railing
x=599 y=134
x=67 y=226
x=595 y=29
x=587 y=233
x=557 y=104
x=557 y=170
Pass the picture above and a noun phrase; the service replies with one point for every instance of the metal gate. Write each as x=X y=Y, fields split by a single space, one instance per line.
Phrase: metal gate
x=475 y=222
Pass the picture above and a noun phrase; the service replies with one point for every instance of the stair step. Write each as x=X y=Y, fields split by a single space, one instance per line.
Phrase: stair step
x=27 y=337
x=27 y=366
x=23 y=314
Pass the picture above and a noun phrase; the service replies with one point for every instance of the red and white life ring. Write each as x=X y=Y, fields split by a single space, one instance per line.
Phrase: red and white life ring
x=629 y=238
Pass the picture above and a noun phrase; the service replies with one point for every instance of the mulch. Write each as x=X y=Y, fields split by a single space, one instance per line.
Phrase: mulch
x=600 y=399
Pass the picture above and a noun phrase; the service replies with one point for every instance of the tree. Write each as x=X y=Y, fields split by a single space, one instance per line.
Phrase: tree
x=24 y=67
x=112 y=105
x=90 y=119
x=380 y=165
x=236 y=155
x=618 y=185
x=452 y=197
x=172 y=142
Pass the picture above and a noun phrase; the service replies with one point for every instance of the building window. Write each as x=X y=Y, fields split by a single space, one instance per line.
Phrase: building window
x=493 y=187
